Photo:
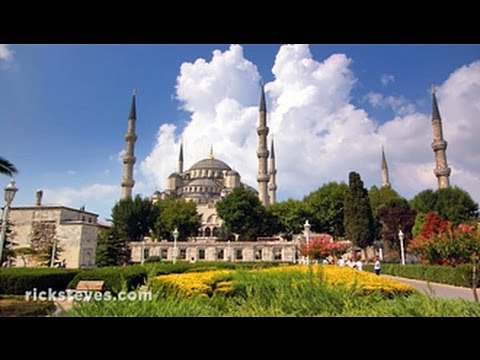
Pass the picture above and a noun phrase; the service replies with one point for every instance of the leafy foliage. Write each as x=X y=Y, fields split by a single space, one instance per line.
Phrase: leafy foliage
x=452 y=203
x=6 y=167
x=133 y=219
x=396 y=215
x=112 y=249
x=322 y=246
x=243 y=214
x=358 y=217
x=325 y=208
x=287 y=217
x=381 y=197
x=176 y=213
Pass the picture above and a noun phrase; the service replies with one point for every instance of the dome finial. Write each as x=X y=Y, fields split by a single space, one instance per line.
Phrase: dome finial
x=210 y=156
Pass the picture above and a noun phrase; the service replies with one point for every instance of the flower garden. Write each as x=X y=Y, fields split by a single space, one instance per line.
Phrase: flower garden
x=294 y=290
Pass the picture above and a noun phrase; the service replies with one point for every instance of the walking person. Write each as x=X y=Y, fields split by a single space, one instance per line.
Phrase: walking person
x=377 y=266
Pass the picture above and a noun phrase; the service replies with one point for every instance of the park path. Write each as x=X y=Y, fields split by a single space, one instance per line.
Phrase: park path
x=436 y=289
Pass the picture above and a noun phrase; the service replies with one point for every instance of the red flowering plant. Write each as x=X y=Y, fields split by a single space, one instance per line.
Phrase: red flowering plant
x=322 y=246
x=457 y=246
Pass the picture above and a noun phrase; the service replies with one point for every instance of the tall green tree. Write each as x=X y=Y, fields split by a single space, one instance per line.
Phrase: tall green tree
x=452 y=203
x=287 y=217
x=6 y=167
x=112 y=249
x=243 y=214
x=176 y=213
x=382 y=196
x=133 y=218
x=326 y=208
x=358 y=218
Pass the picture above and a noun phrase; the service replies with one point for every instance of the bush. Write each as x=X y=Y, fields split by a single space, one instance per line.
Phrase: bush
x=153 y=259
x=15 y=281
x=460 y=275
x=114 y=277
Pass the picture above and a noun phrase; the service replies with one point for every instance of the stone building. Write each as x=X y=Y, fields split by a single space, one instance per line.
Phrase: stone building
x=208 y=180
x=74 y=229
x=213 y=250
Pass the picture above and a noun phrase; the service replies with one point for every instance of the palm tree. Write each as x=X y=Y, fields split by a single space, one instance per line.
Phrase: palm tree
x=6 y=167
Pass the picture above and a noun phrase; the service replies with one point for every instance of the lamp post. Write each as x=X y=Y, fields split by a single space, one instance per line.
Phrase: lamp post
x=402 y=251
x=307 y=227
x=175 y=236
x=10 y=191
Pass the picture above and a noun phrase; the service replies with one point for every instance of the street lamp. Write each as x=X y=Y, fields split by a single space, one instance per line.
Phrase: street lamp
x=10 y=191
x=402 y=251
x=175 y=236
x=307 y=227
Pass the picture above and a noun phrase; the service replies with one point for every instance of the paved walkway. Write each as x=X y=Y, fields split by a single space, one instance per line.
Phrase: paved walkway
x=438 y=290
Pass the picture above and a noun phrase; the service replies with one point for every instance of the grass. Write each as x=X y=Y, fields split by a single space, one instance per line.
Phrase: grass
x=16 y=305
x=288 y=292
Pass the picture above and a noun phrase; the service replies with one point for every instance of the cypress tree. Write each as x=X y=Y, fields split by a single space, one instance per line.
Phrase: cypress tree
x=358 y=218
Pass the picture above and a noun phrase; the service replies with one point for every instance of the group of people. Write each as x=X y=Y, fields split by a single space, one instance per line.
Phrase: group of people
x=352 y=264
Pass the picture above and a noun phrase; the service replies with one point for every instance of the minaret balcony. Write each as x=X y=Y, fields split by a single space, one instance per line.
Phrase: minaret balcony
x=439 y=145
x=127 y=159
x=262 y=153
x=130 y=137
x=262 y=130
x=263 y=177
x=442 y=171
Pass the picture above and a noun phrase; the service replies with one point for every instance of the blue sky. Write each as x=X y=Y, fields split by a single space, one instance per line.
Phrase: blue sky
x=64 y=109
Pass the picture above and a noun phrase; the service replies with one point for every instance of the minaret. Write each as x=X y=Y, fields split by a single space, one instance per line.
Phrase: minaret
x=210 y=155
x=180 y=159
x=385 y=179
x=439 y=146
x=129 y=158
x=272 y=185
x=262 y=152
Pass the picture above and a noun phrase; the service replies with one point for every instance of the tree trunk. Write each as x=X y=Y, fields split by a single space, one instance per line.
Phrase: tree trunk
x=475 y=279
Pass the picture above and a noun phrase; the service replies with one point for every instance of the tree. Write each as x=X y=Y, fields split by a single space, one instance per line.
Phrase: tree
x=133 y=219
x=287 y=217
x=45 y=243
x=382 y=196
x=432 y=225
x=419 y=221
x=358 y=218
x=452 y=203
x=175 y=213
x=396 y=215
x=6 y=167
x=322 y=246
x=243 y=213
x=112 y=249
x=325 y=208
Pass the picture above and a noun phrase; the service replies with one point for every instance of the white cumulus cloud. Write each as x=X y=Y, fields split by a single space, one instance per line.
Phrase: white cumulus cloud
x=6 y=54
x=94 y=196
x=386 y=78
x=320 y=135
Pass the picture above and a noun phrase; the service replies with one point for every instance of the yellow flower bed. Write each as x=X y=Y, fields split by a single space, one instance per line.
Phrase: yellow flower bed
x=205 y=283
x=196 y=282
x=364 y=280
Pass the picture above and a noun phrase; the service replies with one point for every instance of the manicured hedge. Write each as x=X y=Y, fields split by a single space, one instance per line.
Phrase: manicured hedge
x=114 y=277
x=166 y=268
x=459 y=276
x=15 y=281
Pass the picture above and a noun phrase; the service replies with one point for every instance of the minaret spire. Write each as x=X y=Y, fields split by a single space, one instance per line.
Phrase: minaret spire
x=439 y=146
x=272 y=185
x=180 y=159
x=262 y=151
x=129 y=157
x=385 y=178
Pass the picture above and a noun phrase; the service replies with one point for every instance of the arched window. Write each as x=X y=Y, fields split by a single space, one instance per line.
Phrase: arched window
x=215 y=232
x=200 y=232
x=208 y=232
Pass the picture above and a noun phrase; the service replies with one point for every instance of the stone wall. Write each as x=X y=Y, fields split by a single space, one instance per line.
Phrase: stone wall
x=237 y=251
